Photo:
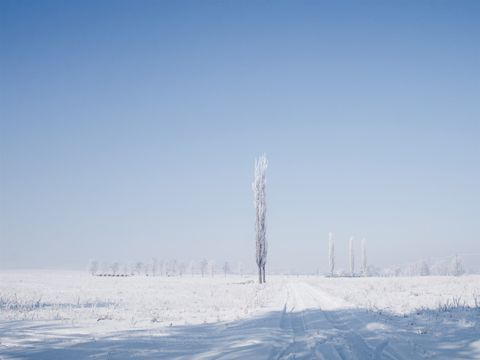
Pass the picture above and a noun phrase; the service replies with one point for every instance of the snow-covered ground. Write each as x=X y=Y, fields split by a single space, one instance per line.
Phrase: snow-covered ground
x=65 y=315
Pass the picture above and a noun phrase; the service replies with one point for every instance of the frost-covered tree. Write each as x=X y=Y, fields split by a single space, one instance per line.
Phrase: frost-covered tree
x=211 y=267
x=191 y=267
x=226 y=268
x=93 y=267
x=331 y=253
x=258 y=188
x=351 y=256
x=138 y=268
x=161 y=267
x=440 y=267
x=147 y=269
x=457 y=267
x=155 y=268
x=104 y=268
x=125 y=270
x=114 y=268
x=203 y=267
x=240 y=269
x=424 y=268
x=364 y=257
x=182 y=268
x=173 y=268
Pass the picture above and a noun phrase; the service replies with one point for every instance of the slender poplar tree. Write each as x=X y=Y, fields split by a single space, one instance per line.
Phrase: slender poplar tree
x=331 y=253
x=258 y=188
x=352 y=257
x=364 y=257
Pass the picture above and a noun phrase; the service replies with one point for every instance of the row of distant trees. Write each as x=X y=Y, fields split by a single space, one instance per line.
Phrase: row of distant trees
x=446 y=266
x=453 y=266
x=157 y=267
x=351 y=257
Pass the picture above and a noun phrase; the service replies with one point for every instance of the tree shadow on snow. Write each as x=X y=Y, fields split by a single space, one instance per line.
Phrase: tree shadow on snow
x=309 y=334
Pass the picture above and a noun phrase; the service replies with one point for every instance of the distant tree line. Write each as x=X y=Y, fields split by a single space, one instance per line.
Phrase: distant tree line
x=351 y=258
x=156 y=267
x=452 y=265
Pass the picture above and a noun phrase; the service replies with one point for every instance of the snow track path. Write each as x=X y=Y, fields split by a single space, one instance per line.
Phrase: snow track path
x=371 y=343
x=322 y=327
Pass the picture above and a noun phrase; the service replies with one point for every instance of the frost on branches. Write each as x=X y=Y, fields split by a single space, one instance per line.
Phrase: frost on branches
x=457 y=266
x=352 y=257
x=331 y=253
x=258 y=188
x=364 y=258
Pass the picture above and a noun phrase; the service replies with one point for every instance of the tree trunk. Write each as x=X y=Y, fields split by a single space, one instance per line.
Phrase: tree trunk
x=263 y=271
x=260 y=274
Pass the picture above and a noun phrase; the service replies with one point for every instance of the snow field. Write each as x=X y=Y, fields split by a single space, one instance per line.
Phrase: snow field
x=48 y=315
x=403 y=295
x=136 y=301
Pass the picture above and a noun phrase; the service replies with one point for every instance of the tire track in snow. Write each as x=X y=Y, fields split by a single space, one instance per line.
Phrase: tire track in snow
x=346 y=343
x=314 y=325
x=387 y=349
x=298 y=347
x=358 y=347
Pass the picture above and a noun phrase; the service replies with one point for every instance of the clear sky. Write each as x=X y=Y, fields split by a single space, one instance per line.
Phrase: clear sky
x=129 y=129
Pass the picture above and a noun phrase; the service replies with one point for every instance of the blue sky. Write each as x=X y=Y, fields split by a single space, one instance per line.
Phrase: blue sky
x=129 y=129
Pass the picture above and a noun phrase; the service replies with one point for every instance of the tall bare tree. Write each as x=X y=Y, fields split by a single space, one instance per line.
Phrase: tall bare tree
x=364 y=257
x=352 y=256
x=258 y=188
x=331 y=253
x=457 y=266
x=226 y=268
x=203 y=267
